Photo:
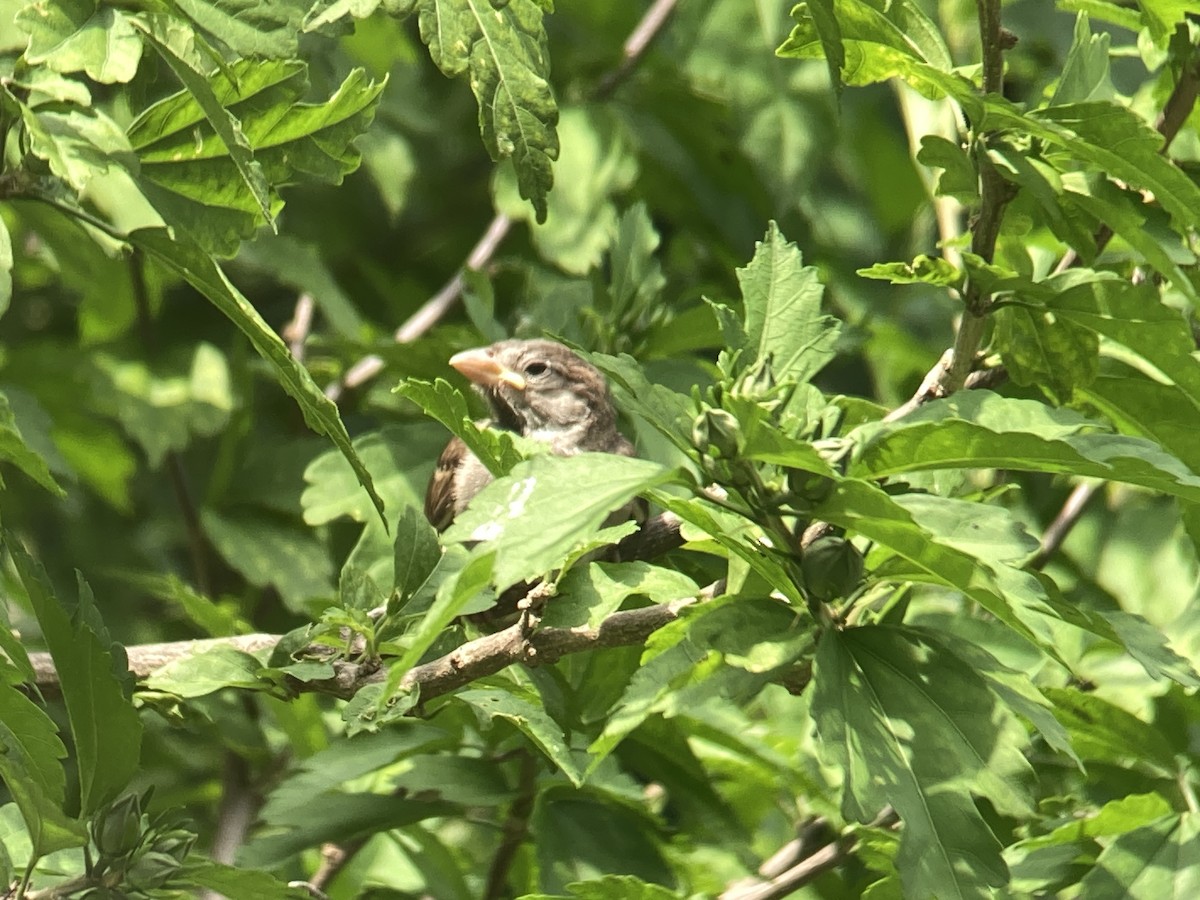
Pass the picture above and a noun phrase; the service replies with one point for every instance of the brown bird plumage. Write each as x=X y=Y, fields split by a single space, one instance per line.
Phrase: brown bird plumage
x=539 y=389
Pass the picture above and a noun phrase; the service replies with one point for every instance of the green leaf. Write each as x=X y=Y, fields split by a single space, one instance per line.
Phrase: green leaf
x=959 y=178
x=1104 y=733
x=588 y=594
x=977 y=429
x=525 y=710
x=30 y=751
x=79 y=35
x=235 y=881
x=77 y=144
x=162 y=411
x=666 y=410
x=504 y=50
x=223 y=123
x=104 y=724
x=581 y=218
x=531 y=523
x=897 y=40
x=416 y=552
x=209 y=670
x=1161 y=859
x=911 y=725
x=1085 y=74
x=1046 y=351
x=270 y=551
x=202 y=272
x=922 y=270
x=443 y=402
x=13 y=449
x=784 y=321
x=964 y=545
x=636 y=277
x=250 y=27
x=216 y=194
x=6 y=264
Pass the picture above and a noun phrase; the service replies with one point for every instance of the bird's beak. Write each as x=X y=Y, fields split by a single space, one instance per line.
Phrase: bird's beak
x=484 y=369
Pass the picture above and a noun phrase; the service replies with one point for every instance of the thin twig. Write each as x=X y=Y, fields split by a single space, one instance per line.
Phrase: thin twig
x=639 y=40
x=235 y=813
x=334 y=858
x=296 y=331
x=1066 y=520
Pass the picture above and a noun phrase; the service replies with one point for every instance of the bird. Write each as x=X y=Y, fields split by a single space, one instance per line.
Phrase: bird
x=539 y=389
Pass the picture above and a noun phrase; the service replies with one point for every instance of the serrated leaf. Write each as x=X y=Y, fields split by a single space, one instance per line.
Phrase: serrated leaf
x=271 y=551
x=1161 y=859
x=236 y=881
x=784 y=321
x=14 y=450
x=1085 y=74
x=192 y=177
x=104 y=724
x=209 y=670
x=526 y=712
x=30 y=754
x=416 y=552
x=202 y=272
x=443 y=402
x=1046 y=351
x=531 y=523
x=665 y=410
x=80 y=35
x=260 y=28
x=912 y=726
x=588 y=594
x=1103 y=732
x=504 y=50
x=959 y=178
x=979 y=429
x=922 y=270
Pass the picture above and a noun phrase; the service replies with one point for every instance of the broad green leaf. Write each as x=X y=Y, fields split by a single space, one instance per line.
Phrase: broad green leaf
x=235 y=881
x=636 y=277
x=224 y=124
x=77 y=144
x=202 y=272
x=105 y=726
x=261 y=28
x=959 y=178
x=1161 y=859
x=612 y=887
x=922 y=270
x=978 y=429
x=1046 y=351
x=1108 y=11
x=953 y=543
x=80 y=35
x=416 y=552
x=1113 y=818
x=271 y=551
x=525 y=710
x=443 y=402
x=1049 y=190
x=1085 y=74
x=665 y=410
x=30 y=767
x=595 y=163
x=784 y=321
x=200 y=185
x=588 y=594
x=400 y=460
x=346 y=759
x=1105 y=733
x=209 y=670
x=878 y=44
x=163 y=410
x=534 y=516
x=1162 y=16
x=911 y=725
x=504 y=51
x=14 y=450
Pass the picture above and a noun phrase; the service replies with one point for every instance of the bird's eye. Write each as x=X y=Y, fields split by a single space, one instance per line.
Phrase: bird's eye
x=535 y=369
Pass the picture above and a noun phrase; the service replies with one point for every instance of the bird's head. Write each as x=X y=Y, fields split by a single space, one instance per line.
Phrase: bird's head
x=540 y=389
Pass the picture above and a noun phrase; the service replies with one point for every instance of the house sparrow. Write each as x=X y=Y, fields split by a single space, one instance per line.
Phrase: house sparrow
x=538 y=389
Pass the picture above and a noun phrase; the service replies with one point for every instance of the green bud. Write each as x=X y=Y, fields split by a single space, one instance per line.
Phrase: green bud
x=719 y=429
x=808 y=488
x=832 y=567
x=151 y=870
x=118 y=828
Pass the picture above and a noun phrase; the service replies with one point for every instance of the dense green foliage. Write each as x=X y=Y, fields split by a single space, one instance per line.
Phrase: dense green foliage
x=766 y=227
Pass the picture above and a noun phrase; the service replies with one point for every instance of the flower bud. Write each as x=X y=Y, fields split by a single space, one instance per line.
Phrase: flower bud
x=719 y=429
x=117 y=830
x=832 y=567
